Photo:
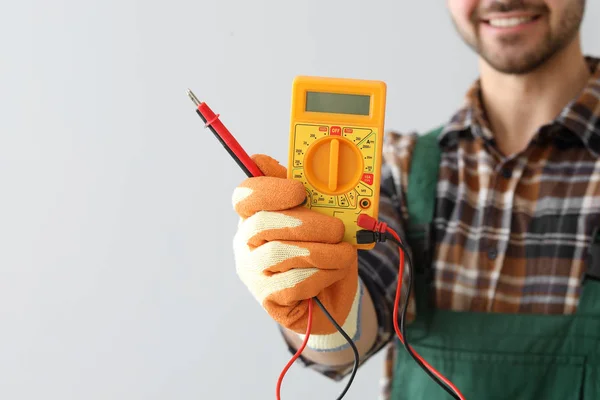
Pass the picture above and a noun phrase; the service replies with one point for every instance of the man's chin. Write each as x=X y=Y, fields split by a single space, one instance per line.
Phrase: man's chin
x=515 y=63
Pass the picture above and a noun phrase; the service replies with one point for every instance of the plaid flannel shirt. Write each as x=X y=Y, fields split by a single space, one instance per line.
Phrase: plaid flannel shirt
x=511 y=233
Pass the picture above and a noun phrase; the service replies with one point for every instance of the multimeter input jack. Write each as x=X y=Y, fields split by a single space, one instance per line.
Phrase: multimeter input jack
x=365 y=203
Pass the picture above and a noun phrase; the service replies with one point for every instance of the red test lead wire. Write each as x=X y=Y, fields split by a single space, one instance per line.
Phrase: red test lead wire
x=397 y=329
x=298 y=352
x=369 y=223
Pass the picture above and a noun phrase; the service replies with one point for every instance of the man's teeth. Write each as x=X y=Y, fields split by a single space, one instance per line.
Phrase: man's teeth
x=509 y=22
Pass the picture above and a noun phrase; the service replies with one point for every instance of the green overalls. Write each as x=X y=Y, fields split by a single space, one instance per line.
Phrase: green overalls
x=491 y=356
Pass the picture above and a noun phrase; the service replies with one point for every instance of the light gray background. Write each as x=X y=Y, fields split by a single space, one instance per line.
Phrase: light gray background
x=117 y=277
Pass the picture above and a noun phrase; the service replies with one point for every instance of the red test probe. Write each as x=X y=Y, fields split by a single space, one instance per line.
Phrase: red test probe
x=212 y=121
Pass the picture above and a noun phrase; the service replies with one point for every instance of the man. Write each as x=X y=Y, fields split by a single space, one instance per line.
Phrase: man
x=512 y=312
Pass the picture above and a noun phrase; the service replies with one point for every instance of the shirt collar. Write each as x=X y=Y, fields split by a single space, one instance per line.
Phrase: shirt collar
x=580 y=117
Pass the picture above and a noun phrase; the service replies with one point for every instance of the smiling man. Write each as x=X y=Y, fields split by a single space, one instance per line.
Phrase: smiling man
x=507 y=287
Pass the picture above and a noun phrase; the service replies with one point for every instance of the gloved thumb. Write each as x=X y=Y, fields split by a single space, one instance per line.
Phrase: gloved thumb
x=272 y=192
x=269 y=166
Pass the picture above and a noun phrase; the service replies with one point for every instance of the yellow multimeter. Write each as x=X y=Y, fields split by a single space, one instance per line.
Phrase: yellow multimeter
x=335 y=146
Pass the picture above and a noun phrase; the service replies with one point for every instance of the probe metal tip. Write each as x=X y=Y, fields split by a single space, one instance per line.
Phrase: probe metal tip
x=193 y=97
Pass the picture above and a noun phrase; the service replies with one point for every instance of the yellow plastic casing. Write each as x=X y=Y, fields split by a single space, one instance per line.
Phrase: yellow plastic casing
x=335 y=149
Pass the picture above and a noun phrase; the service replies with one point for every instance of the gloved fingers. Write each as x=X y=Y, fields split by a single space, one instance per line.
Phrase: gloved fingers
x=293 y=269
x=277 y=257
x=280 y=275
x=341 y=299
x=324 y=256
x=298 y=224
x=267 y=193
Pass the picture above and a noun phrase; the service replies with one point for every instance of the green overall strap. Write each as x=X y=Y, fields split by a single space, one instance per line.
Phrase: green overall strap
x=422 y=182
x=420 y=202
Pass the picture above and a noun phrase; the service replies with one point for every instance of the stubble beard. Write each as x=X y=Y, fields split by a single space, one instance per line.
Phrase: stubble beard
x=531 y=59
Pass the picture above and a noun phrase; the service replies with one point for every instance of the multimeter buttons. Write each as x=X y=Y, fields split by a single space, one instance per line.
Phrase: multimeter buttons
x=333 y=165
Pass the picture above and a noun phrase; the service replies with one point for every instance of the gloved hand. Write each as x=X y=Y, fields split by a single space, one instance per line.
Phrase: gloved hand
x=286 y=254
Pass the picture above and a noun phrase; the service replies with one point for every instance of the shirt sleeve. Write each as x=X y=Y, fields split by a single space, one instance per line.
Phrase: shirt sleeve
x=378 y=268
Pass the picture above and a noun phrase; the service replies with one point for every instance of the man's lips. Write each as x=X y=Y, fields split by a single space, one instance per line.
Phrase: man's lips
x=509 y=19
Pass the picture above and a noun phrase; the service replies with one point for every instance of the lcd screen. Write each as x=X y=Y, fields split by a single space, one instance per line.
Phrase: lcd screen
x=338 y=103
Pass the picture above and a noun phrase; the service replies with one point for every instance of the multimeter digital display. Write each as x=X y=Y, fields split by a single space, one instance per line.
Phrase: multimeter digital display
x=338 y=103
x=335 y=146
